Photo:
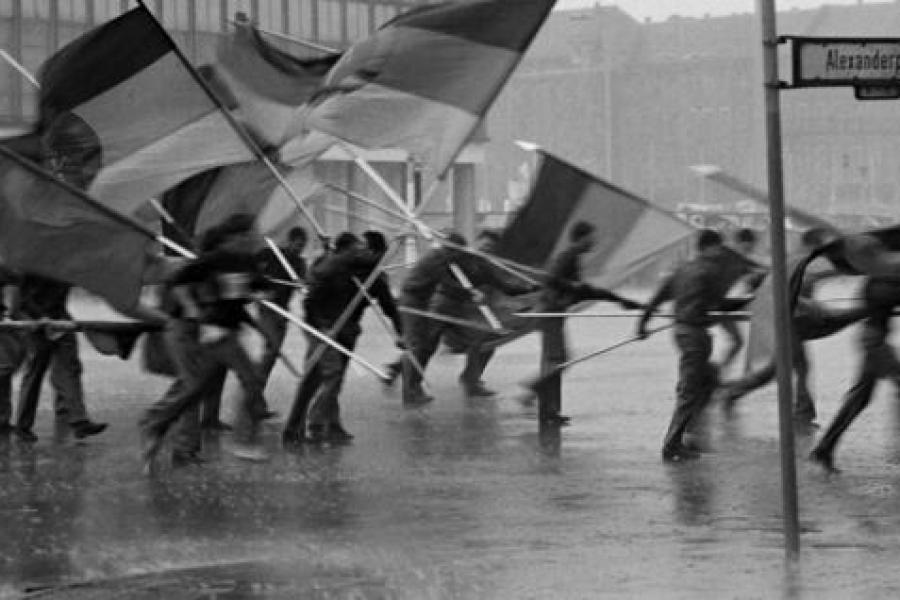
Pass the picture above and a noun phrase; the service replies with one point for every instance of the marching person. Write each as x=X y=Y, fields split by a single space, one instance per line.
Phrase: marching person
x=697 y=288
x=565 y=288
x=432 y=284
x=41 y=298
x=811 y=320
x=333 y=284
x=747 y=274
x=211 y=295
x=879 y=361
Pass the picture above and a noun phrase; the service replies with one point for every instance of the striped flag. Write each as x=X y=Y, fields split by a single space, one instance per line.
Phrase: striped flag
x=270 y=85
x=629 y=229
x=46 y=228
x=424 y=80
x=123 y=116
x=208 y=198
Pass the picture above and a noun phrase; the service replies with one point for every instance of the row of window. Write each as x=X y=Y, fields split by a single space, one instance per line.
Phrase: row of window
x=335 y=21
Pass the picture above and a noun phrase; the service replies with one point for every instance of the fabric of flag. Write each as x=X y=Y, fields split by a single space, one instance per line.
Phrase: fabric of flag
x=628 y=228
x=49 y=230
x=209 y=198
x=425 y=79
x=269 y=85
x=120 y=111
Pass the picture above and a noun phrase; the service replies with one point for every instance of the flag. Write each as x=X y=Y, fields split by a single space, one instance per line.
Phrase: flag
x=208 y=198
x=269 y=85
x=48 y=229
x=628 y=228
x=425 y=79
x=123 y=117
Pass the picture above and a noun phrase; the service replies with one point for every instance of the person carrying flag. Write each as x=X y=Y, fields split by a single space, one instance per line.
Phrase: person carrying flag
x=696 y=288
x=565 y=288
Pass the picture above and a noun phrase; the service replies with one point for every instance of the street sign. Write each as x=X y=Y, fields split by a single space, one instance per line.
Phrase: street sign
x=877 y=92
x=835 y=61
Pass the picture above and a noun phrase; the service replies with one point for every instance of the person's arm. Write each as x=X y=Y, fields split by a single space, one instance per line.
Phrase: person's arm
x=663 y=294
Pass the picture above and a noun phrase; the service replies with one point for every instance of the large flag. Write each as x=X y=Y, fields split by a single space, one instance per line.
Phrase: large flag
x=425 y=79
x=209 y=198
x=123 y=115
x=629 y=228
x=48 y=229
x=270 y=86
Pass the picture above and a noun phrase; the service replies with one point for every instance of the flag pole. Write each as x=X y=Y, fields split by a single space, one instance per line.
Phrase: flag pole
x=772 y=86
x=20 y=68
x=239 y=129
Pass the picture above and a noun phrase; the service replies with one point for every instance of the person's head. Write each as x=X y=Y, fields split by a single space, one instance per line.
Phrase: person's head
x=816 y=238
x=487 y=240
x=708 y=239
x=375 y=241
x=297 y=239
x=346 y=242
x=582 y=235
x=234 y=234
x=745 y=240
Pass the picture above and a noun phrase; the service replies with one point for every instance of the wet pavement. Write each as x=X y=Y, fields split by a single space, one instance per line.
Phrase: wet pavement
x=463 y=498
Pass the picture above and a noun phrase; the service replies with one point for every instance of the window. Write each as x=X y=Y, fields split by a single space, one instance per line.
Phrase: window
x=300 y=19
x=6 y=8
x=358 y=26
x=72 y=10
x=209 y=15
x=270 y=15
x=36 y=9
x=175 y=14
x=330 y=26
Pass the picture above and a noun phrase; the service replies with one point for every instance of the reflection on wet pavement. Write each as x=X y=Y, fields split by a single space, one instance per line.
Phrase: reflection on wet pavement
x=466 y=498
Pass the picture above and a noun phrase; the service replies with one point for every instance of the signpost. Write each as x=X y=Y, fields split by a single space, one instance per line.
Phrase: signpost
x=870 y=65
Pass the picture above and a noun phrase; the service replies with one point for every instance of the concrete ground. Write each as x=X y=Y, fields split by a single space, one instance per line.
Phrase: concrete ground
x=463 y=498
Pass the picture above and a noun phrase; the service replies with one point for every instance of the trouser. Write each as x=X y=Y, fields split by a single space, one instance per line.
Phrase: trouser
x=12 y=353
x=554 y=352
x=733 y=330
x=65 y=377
x=422 y=337
x=199 y=365
x=879 y=361
x=318 y=390
x=273 y=328
x=804 y=405
x=696 y=381
x=476 y=362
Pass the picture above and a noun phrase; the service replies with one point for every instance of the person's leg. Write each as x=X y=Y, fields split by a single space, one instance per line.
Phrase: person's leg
x=12 y=353
x=422 y=338
x=211 y=403
x=804 y=405
x=273 y=328
x=553 y=353
x=66 y=377
x=732 y=331
x=295 y=427
x=39 y=353
x=693 y=389
x=476 y=362
x=731 y=391
x=252 y=411
x=324 y=414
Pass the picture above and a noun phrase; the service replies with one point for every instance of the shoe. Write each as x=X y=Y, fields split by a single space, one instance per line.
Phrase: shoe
x=316 y=433
x=187 y=459
x=87 y=428
x=291 y=438
x=25 y=435
x=726 y=398
x=556 y=420
x=336 y=433
x=417 y=398
x=151 y=443
x=216 y=426
x=824 y=459
x=478 y=390
x=251 y=453
x=679 y=453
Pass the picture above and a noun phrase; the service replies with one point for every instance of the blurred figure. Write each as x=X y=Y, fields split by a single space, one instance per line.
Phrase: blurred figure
x=564 y=289
x=211 y=295
x=697 y=288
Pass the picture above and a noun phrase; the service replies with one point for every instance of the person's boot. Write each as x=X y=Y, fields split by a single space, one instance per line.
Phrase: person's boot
x=25 y=435
x=335 y=432
x=824 y=459
x=87 y=428
x=182 y=458
x=476 y=389
x=417 y=397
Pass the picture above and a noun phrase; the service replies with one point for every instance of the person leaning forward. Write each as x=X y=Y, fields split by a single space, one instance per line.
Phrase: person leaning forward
x=212 y=292
x=696 y=288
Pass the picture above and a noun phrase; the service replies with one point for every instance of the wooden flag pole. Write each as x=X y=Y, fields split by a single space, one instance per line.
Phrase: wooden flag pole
x=20 y=68
x=237 y=126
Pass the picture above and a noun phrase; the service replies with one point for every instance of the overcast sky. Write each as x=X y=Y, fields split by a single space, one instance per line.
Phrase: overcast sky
x=662 y=9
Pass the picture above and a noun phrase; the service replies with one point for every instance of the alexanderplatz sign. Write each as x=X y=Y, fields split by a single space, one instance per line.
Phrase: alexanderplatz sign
x=870 y=65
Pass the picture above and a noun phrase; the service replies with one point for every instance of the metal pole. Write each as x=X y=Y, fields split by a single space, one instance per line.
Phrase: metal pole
x=779 y=275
